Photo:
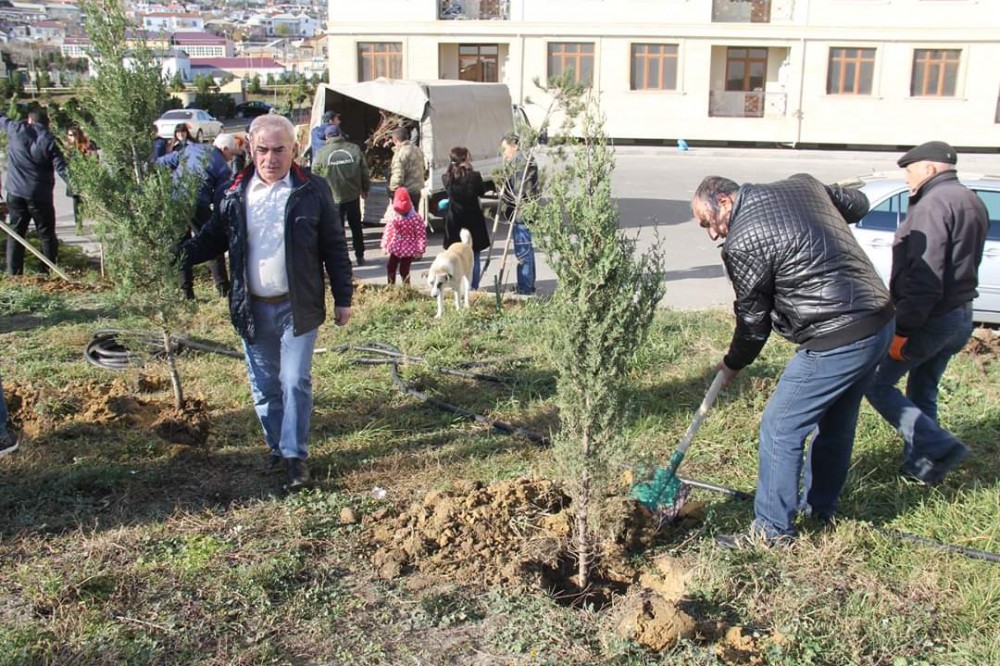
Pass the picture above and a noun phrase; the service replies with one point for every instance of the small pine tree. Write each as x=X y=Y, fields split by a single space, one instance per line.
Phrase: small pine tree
x=140 y=210
x=177 y=82
x=604 y=303
x=254 y=87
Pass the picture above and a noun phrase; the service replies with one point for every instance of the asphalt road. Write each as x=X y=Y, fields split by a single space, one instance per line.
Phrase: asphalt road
x=654 y=188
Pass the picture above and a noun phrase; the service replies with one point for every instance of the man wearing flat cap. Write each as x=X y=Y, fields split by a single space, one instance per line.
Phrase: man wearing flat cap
x=935 y=264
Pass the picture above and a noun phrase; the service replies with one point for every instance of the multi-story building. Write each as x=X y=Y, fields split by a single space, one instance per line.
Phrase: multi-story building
x=797 y=72
x=172 y=22
x=202 y=45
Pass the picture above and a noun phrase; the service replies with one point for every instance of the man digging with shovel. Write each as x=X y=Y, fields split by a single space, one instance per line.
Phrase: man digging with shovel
x=796 y=268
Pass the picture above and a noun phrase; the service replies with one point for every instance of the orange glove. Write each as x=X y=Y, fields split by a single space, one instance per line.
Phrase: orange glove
x=896 y=348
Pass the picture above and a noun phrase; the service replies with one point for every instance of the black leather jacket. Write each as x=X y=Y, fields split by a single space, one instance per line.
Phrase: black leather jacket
x=314 y=241
x=796 y=268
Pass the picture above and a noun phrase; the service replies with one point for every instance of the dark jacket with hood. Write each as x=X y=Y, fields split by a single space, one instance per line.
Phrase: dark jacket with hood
x=796 y=268
x=464 y=210
x=33 y=159
x=314 y=243
x=937 y=251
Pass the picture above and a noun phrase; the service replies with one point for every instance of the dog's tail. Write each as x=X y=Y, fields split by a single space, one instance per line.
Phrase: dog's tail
x=466 y=236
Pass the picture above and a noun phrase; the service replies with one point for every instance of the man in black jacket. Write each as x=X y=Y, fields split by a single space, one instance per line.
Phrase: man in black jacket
x=796 y=268
x=33 y=159
x=935 y=272
x=278 y=224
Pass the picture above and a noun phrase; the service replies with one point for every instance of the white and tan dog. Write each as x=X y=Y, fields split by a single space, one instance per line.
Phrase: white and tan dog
x=452 y=269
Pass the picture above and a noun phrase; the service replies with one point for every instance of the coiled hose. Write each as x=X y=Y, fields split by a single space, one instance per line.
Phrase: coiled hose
x=105 y=351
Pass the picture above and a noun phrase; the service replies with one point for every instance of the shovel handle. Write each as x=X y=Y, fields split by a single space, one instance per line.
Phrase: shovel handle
x=706 y=404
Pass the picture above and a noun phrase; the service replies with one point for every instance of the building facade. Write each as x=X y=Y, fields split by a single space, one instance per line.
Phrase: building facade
x=794 y=72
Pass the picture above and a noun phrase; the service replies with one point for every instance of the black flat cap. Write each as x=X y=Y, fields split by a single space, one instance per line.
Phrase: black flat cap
x=329 y=115
x=932 y=151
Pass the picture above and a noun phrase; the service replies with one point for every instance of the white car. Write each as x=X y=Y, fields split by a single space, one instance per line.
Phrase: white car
x=200 y=123
x=888 y=196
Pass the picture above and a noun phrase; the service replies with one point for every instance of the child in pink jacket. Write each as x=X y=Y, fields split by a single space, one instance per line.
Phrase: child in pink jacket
x=404 y=237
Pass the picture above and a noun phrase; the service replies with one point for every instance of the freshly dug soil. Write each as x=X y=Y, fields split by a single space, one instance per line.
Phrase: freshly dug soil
x=516 y=534
x=40 y=411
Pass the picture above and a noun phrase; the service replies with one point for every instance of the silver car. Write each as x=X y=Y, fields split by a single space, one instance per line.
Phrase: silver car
x=889 y=196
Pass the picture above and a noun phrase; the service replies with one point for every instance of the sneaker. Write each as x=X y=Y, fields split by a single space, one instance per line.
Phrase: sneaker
x=932 y=472
x=298 y=473
x=8 y=443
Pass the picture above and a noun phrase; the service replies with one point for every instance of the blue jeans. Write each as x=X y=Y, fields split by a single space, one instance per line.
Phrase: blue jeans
x=279 y=364
x=914 y=415
x=475 y=270
x=524 y=252
x=818 y=391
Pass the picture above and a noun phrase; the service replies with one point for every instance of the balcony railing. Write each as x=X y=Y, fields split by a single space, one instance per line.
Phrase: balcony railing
x=739 y=104
x=474 y=10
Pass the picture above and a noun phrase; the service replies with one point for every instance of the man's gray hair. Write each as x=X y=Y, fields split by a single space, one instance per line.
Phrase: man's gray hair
x=711 y=187
x=272 y=121
x=224 y=141
x=401 y=134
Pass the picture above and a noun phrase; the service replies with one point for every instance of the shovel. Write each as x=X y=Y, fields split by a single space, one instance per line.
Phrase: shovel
x=661 y=494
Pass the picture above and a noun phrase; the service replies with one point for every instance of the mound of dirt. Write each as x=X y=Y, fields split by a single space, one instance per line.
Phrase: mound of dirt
x=40 y=411
x=475 y=533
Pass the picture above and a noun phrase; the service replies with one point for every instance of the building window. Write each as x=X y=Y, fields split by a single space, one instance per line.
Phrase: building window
x=935 y=72
x=479 y=62
x=575 y=57
x=377 y=59
x=654 y=67
x=850 y=71
x=745 y=69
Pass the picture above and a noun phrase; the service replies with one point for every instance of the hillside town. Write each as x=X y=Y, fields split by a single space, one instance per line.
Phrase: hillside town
x=46 y=42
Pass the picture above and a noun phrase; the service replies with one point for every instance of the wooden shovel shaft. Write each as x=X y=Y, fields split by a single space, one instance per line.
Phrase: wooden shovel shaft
x=706 y=404
x=45 y=260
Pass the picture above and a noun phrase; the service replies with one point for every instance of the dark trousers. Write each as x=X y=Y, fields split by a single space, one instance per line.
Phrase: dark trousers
x=43 y=212
x=403 y=263
x=217 y=266
x=349 y=214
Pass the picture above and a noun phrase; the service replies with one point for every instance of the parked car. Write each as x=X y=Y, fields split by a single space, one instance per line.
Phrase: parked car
x=889 y=197
x=200 y=123
x=252 y=109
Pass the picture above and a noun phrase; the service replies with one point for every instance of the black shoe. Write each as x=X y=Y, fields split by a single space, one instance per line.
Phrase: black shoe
x=223 y=289
x=359 y=260
x=274 y=463
x=932 y=472
x=298 y=473
x=8 y=443
x=189 y=293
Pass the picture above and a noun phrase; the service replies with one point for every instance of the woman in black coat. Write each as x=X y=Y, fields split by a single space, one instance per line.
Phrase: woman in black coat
x=464 y=186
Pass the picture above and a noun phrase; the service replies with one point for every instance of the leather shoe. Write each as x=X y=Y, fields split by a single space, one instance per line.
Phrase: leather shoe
x=298 y=473
x=932 y=472
x=8 y=443
x=274 y=463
